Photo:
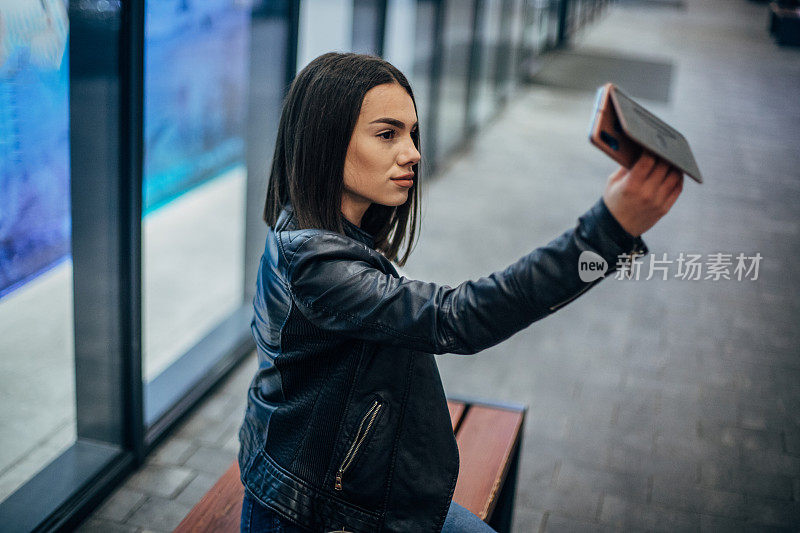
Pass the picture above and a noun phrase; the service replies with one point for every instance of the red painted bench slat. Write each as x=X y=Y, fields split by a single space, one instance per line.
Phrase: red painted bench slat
x=456 y=412
x=220 y=509
x=486 y=442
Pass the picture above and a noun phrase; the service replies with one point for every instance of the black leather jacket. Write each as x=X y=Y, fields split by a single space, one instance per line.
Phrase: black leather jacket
x=346 y=423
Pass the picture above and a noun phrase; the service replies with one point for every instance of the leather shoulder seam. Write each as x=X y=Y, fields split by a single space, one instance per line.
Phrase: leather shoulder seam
x=346 y=244
x=290 y=263
x=307 y=234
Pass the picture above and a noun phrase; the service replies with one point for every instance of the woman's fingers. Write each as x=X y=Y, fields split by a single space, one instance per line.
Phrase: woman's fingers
x=642 y=168
x=640 y=197
x=647 y=176
x=653 y=182
x=665 y=188
x=673 y=194
x=645 y=180
x=618 y=175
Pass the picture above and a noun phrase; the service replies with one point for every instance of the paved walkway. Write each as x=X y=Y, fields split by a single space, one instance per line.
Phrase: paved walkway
x=654 y=405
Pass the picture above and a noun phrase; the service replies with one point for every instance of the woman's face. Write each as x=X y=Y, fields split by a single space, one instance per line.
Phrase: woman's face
x=377 y=167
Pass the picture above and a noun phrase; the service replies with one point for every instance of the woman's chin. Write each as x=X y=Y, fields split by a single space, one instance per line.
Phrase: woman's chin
x=395 y=199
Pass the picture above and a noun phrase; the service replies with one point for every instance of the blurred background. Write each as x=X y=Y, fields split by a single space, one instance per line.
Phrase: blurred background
x=135 y=143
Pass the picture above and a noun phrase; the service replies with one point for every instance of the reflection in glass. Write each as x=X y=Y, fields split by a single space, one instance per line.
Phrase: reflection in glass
x=511 y=26
x=325 y=26
x=399 y=40
x=420 y=76
x=483 y=101
x=368 y=26
x=455 y=75
x=196 y=69
x=36 y=335
x=535 y=32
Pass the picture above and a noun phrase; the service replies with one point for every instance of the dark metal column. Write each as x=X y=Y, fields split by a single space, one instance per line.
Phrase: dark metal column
x=563 y=30
x=106 y=49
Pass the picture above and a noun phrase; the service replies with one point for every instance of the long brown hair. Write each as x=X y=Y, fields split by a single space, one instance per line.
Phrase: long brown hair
x=319 y=115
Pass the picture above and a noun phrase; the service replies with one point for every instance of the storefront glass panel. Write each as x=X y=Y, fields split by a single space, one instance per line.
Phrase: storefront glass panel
x=195 y=106
x=37 y=357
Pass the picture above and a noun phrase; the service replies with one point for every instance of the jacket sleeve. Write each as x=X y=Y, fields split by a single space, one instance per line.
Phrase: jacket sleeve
x=337 y=289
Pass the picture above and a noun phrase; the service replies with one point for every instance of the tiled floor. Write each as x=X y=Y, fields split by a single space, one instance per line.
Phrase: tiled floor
x=654 y=405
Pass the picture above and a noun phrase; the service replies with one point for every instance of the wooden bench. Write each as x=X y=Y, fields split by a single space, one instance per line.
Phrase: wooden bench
x=489 y=440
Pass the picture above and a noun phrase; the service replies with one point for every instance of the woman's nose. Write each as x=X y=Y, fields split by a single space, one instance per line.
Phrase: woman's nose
x=410 y=154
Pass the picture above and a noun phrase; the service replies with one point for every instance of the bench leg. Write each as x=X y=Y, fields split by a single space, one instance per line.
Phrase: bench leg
x=503 y=515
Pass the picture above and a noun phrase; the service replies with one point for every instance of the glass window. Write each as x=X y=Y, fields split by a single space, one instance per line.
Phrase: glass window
x=75 y=139
x=195 y=180
x=400 y=41
x=515 y=25
x=537 y=22
x=452 y=102
x=553 y=21
x=483 y=98
x=368 y=24
x=325 y=26
x=36 y=296
x=422 y=77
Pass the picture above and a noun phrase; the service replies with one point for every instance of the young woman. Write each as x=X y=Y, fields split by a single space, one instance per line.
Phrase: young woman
x=347 y=426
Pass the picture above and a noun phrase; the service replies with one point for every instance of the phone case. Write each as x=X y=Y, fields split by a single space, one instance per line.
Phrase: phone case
x=622 y=129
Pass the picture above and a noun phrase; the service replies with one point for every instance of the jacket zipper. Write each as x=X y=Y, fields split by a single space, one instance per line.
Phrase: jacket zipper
x=361 y=435
x=568 y=300
x=632 y=256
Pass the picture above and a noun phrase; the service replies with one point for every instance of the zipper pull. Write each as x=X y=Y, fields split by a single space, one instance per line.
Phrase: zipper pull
x=358 y=440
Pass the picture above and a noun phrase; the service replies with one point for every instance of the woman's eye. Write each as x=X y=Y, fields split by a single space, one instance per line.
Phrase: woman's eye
x=388 y=135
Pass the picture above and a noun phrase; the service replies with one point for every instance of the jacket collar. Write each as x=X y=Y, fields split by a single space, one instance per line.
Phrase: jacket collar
x=354 y=232
x=287 y=221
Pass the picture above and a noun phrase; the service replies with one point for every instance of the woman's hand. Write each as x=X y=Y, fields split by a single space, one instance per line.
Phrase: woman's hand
x=639 y=197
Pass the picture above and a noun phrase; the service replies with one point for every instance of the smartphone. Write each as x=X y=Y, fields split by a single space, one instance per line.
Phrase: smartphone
x=623 y=129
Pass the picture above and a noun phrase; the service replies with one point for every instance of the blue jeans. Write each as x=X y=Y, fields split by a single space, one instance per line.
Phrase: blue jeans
x=259 y=519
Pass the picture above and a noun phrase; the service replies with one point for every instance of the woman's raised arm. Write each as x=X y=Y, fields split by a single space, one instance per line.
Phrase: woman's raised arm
x=337 y=287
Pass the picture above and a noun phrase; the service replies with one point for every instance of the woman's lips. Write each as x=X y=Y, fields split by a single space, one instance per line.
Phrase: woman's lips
x=406 y=180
